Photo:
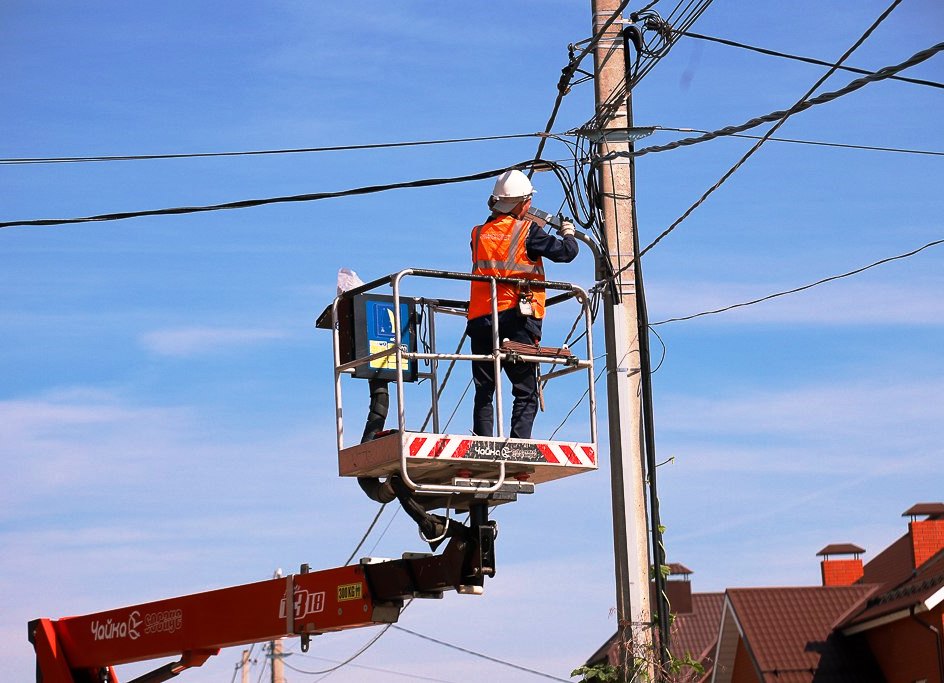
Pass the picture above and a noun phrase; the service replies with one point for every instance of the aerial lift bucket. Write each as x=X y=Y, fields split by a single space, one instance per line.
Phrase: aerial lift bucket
x=448 y=469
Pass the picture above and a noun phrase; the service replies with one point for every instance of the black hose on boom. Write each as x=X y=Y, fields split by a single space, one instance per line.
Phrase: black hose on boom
x=380 y=491
x=431 y=526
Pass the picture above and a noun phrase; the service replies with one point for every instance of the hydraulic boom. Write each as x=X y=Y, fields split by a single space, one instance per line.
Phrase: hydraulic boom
x=194 y=627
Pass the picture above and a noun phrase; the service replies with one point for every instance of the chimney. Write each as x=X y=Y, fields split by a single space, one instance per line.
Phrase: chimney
x=927 y=535
x=677 y=590
x=844 y=572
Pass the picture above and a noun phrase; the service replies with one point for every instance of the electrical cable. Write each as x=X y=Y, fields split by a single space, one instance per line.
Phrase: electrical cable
x=458 y=403
x=298 y=150
x=815 y=143
x=665 y=350
x=796 y=107
x=366 y=534
x=262 y=671
x=350 y=659
x=802 y=288
x=579 y=401
x=798 y=58
x=445 y=381
x=249 y=661
x=881 y=74
x=684 y=20
x=385 y=529
x=567 y=73
x=650 y=51
x=415 y=677
x=249 y=203
x=479 y=654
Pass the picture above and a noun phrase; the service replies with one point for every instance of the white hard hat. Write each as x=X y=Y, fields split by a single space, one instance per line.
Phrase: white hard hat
x=512 y=185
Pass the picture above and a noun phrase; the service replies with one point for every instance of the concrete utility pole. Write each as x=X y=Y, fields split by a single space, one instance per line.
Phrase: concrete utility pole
x=278 y=667
x=245 y=667
x=630 y=538
x=275 y=647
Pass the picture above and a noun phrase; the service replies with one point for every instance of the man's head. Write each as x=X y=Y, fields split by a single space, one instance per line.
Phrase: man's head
x=511 y=194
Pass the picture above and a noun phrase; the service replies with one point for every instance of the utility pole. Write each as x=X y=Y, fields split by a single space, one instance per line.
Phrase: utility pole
x=278 y=667
x=630 y=538
x=245 y=667
x=275 y=647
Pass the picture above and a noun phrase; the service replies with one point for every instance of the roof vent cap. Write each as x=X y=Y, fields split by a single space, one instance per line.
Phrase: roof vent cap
x=841 y=549
x=929 y=510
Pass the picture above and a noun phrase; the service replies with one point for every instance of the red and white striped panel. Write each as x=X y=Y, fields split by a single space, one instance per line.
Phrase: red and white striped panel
x=562 y=453
x=552 y=452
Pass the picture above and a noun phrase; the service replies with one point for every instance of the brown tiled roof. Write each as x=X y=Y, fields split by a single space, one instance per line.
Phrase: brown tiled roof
x=692 y=633
x=924 y=583
x=892 y=566
x=789 y=632
x=695 y=633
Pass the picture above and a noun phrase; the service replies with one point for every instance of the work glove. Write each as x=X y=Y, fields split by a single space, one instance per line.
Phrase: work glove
x=566 y=228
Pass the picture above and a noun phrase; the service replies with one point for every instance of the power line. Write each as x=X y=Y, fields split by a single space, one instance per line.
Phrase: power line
x=684 y=20
x=783 y=119
x=248 y=203
x=576 y=405
x=366 y=534
x=479 y=654
x=804 y=287
x=816 y=143
x=773 y=129
x=798 y=58
x=567 y=73
x=881 y=74
x=412 y=676
x=384 y=532
x=350 y=659
x=298 y=150
x=651 y=50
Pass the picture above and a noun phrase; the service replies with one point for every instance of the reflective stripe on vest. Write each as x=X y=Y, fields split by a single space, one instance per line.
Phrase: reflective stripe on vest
x=499 y=248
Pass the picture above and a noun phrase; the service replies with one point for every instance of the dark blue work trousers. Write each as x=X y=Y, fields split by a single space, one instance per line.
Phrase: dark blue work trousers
x=523 y=376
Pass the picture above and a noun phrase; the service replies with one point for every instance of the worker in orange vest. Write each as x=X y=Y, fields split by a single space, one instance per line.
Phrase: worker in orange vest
x=510 y=245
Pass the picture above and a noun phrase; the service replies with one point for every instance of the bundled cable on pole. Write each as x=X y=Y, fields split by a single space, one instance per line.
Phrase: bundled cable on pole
x=799 y=58
x=780 y=115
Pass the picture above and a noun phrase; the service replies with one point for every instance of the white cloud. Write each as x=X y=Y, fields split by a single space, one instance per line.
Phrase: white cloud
x=191 y=341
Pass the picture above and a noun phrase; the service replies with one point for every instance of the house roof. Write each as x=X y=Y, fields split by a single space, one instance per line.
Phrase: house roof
x=789 y=634
x=923 y=590
x=693 y=633
x=892 y=566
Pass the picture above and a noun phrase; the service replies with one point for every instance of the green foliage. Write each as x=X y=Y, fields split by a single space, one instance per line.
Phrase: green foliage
x=677 y=665
x=599 y=673
x=664 y=569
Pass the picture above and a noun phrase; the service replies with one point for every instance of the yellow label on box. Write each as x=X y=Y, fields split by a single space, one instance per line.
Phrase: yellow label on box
x=387 y=362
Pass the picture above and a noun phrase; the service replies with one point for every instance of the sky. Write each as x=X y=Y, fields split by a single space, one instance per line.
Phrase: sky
x=166 y=417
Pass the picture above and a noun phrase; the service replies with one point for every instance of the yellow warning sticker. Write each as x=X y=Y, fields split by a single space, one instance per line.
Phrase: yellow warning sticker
x=350 y=591
x=387 y=362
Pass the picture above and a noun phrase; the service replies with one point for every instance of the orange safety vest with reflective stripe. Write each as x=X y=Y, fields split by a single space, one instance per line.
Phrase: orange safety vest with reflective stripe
x=499 y=249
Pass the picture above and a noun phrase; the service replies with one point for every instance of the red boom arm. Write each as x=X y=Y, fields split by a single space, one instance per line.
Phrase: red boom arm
x=84 y=649
x=197 y=626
